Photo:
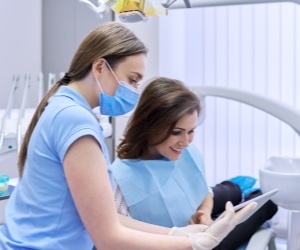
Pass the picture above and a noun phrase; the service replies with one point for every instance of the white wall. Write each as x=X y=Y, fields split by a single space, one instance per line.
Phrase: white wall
x=148 y=32
x=65 y=24
x=20 y=53
x=20 y=44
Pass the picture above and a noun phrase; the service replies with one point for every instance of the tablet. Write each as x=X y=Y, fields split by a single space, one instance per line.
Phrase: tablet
x=260 y=200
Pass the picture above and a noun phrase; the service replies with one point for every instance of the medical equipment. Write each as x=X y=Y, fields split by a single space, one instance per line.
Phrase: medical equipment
x=7 y=113
x=218 y=231
x=3 y=184
x=22 y=113
x=260 y=200
x=284 y=174
x=283 y=112
x=15 y=121
x=180 y=4
x=51 y=80
x=130 y=11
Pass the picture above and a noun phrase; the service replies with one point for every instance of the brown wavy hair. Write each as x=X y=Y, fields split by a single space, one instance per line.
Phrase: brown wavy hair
x=112 y=41
x=163 y=102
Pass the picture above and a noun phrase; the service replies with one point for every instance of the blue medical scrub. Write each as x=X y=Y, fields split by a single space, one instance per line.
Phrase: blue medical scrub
x=41 y=213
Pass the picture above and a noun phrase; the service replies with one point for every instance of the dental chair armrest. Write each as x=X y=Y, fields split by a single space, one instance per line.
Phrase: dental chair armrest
x=261 y=239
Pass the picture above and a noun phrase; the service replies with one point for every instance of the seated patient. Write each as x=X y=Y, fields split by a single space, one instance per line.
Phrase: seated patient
x=160 y=174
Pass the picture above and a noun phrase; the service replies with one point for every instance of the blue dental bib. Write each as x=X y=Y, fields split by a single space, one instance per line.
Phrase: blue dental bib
x=163 y=192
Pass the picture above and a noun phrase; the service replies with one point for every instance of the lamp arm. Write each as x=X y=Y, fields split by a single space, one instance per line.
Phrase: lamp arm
x=283 y=112
x=181 y=4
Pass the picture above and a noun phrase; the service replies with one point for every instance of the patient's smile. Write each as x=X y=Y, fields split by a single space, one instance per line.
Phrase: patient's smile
x=177 y=150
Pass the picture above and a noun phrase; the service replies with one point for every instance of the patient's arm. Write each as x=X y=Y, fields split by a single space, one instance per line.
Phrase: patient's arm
x=203 y=213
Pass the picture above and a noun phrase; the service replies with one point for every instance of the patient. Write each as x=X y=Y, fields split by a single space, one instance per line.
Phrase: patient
x=160 y=174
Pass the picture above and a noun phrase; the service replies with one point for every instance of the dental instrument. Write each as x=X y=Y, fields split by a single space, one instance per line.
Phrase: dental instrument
x=7 y=113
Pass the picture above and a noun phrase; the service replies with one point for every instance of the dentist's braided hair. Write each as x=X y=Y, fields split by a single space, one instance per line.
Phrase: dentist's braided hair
x=111 y=41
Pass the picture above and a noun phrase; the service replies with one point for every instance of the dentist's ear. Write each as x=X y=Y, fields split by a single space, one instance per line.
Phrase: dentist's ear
x=97 y=66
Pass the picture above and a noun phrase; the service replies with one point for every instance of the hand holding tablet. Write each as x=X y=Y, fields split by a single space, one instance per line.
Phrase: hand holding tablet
x=215 y=233
x=224 y=224
x=260 y=200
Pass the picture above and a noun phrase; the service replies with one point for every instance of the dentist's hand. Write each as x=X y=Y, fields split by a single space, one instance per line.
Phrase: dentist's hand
x=215 y=233
x=185 y=231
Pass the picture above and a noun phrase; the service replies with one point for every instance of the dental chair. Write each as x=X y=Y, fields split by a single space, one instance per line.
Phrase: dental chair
x=264 y=238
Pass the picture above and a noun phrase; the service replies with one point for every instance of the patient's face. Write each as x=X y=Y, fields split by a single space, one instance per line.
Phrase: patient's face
x=181 y=136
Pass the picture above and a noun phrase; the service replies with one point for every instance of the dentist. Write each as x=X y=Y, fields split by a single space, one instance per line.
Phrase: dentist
x=64 y=199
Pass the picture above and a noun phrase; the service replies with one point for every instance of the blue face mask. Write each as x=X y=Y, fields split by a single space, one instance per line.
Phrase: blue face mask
x=124 y=100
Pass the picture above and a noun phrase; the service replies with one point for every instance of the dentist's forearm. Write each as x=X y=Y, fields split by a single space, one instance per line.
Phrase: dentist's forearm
x=142 y=226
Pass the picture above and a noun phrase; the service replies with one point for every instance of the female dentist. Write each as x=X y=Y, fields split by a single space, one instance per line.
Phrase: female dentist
x=64 y=198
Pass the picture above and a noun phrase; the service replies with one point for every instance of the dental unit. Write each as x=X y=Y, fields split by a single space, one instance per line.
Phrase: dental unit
x=14 y=121
x=279 y=172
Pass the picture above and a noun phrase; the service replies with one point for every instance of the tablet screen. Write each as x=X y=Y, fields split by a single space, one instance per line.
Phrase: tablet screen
x=260 y=200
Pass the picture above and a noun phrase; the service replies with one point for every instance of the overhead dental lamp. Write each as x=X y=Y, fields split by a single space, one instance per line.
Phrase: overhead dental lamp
x=131 y=11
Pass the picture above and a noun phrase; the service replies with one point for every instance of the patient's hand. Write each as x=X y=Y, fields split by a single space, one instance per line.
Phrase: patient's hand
x=201 y=217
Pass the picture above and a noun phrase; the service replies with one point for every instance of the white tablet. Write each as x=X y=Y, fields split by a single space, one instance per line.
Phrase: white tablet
x=260 y=200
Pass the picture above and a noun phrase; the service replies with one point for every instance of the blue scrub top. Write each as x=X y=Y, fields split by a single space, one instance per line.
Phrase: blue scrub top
x=41 y=213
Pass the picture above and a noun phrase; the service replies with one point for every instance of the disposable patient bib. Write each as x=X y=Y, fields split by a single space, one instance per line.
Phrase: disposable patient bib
x=163 y=192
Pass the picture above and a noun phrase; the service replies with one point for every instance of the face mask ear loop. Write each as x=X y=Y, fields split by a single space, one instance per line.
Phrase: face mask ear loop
x=111 y=70
x=99 y=84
